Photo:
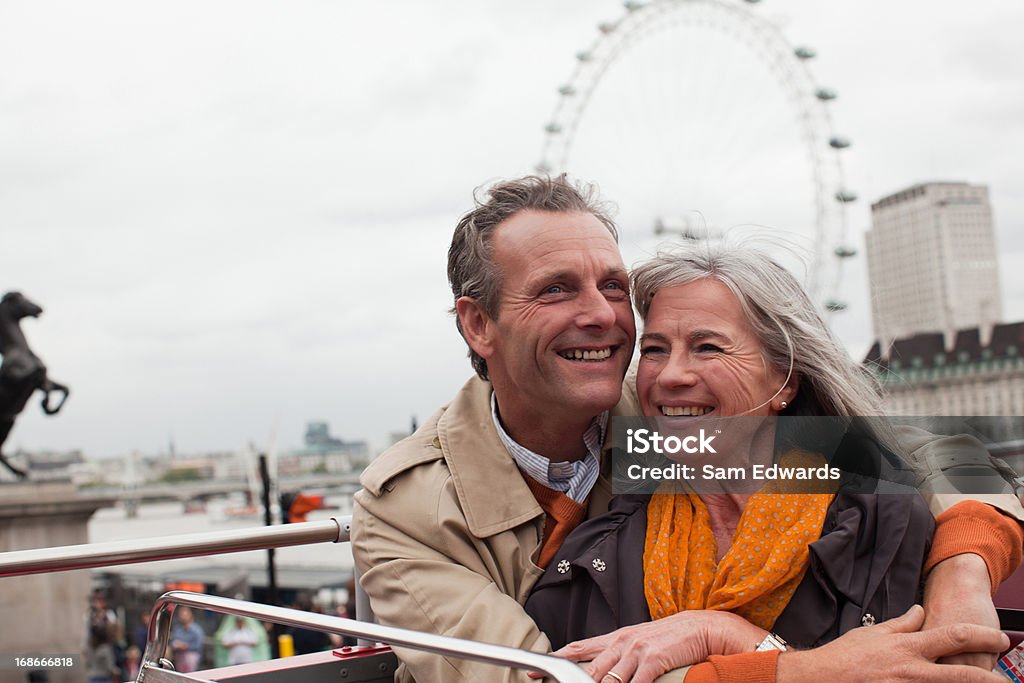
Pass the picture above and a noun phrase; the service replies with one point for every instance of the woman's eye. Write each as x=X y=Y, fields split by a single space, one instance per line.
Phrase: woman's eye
x=708 y=348
x=651 y=350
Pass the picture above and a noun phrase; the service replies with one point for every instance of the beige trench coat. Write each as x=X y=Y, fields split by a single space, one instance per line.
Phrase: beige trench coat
x=445 y=533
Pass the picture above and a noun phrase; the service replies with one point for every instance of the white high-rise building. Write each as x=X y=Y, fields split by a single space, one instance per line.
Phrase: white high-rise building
x=932 y=263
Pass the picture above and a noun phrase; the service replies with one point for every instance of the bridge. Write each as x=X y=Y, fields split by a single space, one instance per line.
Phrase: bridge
x=212 y=488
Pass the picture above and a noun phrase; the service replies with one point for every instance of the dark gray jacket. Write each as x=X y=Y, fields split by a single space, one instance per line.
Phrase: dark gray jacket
x=868 y=561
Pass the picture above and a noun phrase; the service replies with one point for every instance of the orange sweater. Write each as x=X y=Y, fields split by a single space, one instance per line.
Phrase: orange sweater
x=562 y=515
x=973 y=527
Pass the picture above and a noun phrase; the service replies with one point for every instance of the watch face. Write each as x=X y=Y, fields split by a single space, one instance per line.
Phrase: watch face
x=771 y=642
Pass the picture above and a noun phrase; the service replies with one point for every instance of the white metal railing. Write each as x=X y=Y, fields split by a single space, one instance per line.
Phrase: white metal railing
x=334 y=530
x=86 y=556
x=160 y=627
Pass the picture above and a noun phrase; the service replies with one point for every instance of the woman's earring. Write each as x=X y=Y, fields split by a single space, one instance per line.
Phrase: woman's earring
x=784 y=405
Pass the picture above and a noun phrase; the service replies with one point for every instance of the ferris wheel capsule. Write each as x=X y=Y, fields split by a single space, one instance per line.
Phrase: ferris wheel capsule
x=804 y=52
x=835 y=305
x=567 y=90
x=606 y=27
x=584 y=56
x=845 y=251
x=839 y=142
x=825 y=94
x=632 y=5
x=553 y=127
x=846 y=196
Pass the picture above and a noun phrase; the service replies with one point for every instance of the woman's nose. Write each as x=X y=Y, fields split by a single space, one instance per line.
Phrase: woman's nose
x=677 y=372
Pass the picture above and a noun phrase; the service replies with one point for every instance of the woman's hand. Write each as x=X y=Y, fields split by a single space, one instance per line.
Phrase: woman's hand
x=643 y=652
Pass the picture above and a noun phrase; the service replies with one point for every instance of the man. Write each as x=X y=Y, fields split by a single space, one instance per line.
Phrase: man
x=455 y=522
x=187 y=641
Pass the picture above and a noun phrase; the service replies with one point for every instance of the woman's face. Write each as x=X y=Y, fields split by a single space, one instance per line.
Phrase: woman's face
x=699 y=355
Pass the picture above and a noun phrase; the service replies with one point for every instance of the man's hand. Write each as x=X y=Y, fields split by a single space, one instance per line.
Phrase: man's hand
x=643 y=652
x=896 y=650
x=958 y=590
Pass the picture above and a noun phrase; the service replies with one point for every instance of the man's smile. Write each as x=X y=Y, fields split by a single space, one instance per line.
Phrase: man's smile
x=597 y=354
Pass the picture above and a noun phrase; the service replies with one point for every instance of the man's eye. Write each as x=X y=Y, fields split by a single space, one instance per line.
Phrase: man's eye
x=554 y=289
x=614 y=285
x=708 y=348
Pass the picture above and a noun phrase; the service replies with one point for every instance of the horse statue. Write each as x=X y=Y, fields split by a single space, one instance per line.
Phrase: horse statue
x=21 y=372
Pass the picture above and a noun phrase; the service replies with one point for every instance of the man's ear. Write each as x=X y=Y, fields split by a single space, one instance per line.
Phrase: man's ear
x=477 y=326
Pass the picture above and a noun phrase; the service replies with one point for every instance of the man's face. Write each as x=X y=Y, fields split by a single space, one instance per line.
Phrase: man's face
x=565 y=330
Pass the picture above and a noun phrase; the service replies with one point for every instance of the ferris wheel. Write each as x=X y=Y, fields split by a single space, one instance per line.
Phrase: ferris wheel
x=698 y=118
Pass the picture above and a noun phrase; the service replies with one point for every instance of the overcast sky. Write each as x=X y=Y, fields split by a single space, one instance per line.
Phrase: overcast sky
x=236 y=214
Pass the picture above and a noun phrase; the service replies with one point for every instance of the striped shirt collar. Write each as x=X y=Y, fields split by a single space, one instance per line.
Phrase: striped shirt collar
x=573 y=478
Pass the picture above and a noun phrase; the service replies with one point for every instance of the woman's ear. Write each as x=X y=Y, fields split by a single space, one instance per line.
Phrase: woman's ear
x=790 y=391
x=477 y=327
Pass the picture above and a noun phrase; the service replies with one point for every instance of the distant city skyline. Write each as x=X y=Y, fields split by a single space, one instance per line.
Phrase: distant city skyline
x=238 y=224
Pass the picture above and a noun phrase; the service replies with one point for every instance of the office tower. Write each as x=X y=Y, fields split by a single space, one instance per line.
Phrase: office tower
x=932 y=263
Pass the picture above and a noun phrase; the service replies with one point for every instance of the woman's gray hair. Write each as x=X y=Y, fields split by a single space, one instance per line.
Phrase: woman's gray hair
x=783 y=317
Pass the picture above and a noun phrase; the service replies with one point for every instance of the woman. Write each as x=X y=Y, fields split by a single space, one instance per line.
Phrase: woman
x=729 y=332
x=100 y=656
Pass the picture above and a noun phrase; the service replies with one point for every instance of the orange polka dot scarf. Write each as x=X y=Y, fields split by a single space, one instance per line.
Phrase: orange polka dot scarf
x=758 y=574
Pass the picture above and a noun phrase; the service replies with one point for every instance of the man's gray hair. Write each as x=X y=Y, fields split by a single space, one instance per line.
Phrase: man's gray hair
x=471 y=270
x=783 y=317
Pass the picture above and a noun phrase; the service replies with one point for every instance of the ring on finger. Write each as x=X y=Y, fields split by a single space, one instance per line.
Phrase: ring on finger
x=614 y=675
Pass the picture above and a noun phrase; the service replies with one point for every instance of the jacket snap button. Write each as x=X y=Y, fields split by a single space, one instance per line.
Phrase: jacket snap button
x=563 y=567
x=599 y=564
x=868 y=619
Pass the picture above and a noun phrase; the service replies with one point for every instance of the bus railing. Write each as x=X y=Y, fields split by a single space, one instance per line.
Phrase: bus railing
x=160 y=627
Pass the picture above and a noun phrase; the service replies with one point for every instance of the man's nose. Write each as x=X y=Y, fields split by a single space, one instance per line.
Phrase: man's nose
x=595 y=310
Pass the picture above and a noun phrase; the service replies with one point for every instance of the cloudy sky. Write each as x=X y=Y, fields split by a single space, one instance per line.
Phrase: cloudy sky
x=236 y=214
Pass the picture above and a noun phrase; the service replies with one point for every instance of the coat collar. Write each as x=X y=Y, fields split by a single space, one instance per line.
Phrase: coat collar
x=463 y=434
x=478 y=461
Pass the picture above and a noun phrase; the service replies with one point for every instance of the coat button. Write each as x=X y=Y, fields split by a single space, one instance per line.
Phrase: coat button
x=563 y=567
x=868 y=619
x=599 y=564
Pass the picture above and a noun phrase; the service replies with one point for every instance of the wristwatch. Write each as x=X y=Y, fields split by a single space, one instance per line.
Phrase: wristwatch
x=771 y=642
